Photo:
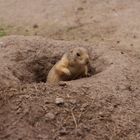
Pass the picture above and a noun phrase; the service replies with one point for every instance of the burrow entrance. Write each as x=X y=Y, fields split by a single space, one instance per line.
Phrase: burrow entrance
x=31 y=63
x=40 y=67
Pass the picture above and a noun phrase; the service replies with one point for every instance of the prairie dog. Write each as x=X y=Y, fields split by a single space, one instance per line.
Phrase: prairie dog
x=72 y=65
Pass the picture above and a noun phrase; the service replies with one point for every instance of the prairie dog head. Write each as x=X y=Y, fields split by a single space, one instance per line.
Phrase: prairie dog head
x=78 y=56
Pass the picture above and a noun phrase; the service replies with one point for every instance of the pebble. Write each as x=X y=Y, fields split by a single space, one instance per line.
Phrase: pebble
x=72 y=101
x=49 y=116
x=85 y=105
x=59 y=101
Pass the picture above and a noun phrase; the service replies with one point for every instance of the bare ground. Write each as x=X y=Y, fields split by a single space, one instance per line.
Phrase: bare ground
x=104 y=106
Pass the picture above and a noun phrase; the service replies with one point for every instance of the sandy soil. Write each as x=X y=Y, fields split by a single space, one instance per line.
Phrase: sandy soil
x=104 y=106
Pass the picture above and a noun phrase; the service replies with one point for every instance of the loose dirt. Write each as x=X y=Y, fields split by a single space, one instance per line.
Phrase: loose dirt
x=104 y=106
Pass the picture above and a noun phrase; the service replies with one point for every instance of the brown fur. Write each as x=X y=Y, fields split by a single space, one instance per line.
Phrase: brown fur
x=73 y=64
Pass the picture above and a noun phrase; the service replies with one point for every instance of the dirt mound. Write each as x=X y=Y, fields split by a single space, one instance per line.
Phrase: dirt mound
x=102 y=106
x=29 y=59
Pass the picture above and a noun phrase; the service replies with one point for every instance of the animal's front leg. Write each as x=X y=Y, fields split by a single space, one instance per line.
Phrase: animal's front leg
x=87 y=74
x=66 y=71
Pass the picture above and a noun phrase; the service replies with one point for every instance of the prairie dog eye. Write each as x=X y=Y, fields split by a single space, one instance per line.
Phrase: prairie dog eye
x=78 y=54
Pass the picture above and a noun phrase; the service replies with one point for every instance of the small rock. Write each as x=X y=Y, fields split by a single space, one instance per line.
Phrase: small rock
x=101 y=113
x=85 y=105
x=73 y=101
x=49 y=116
x=59 y=101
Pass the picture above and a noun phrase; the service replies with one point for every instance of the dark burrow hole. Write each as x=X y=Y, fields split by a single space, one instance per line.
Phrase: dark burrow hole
x=40 y=67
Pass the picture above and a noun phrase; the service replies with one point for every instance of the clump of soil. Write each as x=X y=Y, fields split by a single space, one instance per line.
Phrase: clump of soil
x=102 y=106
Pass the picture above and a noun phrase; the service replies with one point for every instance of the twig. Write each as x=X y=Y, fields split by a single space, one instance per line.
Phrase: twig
x=74 y=119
